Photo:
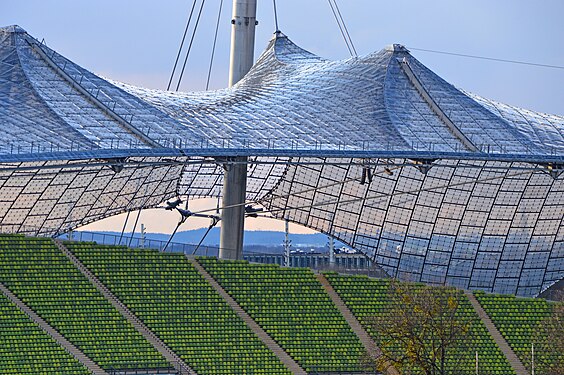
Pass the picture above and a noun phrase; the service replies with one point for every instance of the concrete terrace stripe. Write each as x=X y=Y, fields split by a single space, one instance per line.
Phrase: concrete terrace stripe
x=175 y=360
x=367 y=341
x=497 y=336
x=60 y=339
x=262 y=335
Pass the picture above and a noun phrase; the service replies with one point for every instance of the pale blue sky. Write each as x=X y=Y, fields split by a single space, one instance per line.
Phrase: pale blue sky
x=137 y=41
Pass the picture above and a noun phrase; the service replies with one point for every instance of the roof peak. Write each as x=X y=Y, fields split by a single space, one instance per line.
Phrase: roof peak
x=396 y=47
x=279 y=34
x=12 y=29
x=287 y=51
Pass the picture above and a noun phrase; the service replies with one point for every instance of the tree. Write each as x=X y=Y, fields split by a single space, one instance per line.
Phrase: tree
x=422 y=330
x=548 y=339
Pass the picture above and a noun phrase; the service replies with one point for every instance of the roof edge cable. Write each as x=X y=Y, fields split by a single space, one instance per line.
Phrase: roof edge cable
x=76 y=85
x=404 y=64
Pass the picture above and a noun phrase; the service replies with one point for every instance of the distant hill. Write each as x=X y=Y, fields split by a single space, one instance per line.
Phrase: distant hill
x=252 y=238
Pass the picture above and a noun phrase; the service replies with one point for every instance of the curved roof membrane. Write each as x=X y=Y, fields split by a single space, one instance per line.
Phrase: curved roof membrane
x=433 y=183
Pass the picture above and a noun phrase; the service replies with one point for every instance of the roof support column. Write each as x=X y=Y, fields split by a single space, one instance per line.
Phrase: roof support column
x=233 y=214
x=235 y=172
x=242 y=39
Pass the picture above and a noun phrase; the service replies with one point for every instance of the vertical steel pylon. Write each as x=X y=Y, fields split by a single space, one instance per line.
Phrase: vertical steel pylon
x=235 y=169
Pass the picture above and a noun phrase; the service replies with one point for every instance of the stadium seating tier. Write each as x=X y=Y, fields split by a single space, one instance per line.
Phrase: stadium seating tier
x=182 y=308
x=45 y=280
x=26 y=349
x=294 y=309
x=169 y=295
x=517 y=319
x=368 y=298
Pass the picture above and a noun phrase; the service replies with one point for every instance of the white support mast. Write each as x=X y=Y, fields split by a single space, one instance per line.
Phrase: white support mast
x=233 y=215
x=235 y=169
x=242 y=39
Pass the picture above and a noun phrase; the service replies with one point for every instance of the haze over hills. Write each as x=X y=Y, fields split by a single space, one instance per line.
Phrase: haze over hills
x=266 y=238
x=255 y=239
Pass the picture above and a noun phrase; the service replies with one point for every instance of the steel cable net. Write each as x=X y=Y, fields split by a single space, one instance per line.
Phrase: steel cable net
x=460 y=190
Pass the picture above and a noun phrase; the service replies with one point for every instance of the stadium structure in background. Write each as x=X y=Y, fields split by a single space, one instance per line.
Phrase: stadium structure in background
x=432 y=183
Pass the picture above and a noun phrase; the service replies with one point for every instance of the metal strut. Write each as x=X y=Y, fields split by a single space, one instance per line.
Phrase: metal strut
x=404 y=64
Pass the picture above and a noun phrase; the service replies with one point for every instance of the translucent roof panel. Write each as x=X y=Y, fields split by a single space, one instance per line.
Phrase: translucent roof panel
x=543 y=131
x=475 y=225
x=291 y=99
x=432 y=183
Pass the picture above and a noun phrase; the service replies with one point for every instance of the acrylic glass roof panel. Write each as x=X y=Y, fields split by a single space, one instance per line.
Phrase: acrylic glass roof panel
x=543 y=131
x=285 y=105
x=27 y=120
x=304 y=101
x=482 y=127
x=55 y=196
x=206 y=180
x=462 y=190
x=84 y=104
x=291 y=99
x=474 y=225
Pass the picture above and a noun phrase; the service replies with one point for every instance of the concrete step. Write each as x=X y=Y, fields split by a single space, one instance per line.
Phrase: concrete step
x=369 y=344
x=512 y=358
x=284 y=357
x=175 y=360
x=60 y=339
